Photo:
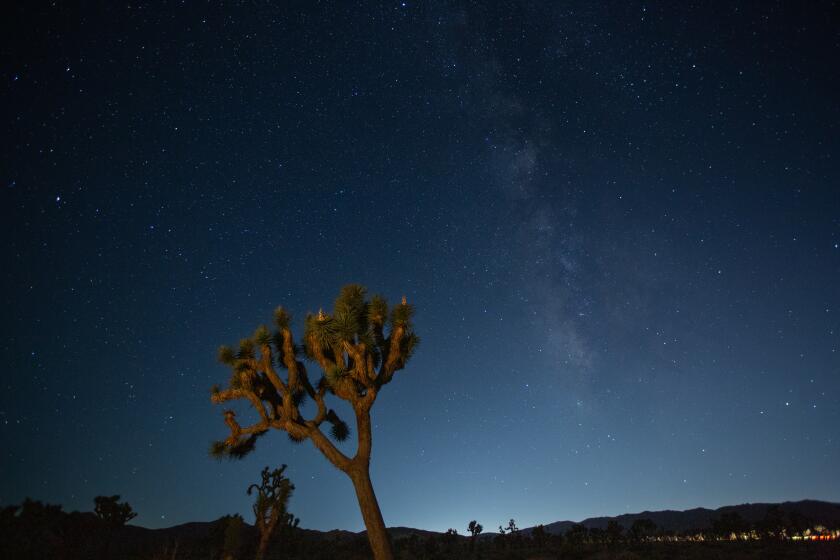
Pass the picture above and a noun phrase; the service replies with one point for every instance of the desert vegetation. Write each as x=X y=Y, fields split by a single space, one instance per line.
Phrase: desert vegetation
x=34 y=530
x=271 y=506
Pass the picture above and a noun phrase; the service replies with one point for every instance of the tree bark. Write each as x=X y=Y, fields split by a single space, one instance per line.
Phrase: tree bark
x=263 y=546
x=265 y=537
x=380 y=543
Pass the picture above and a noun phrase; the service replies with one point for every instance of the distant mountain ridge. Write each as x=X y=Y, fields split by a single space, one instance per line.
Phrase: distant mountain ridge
x=818 y=512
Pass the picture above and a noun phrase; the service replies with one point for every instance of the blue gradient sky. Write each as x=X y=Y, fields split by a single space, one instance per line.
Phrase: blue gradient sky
x=619 y=225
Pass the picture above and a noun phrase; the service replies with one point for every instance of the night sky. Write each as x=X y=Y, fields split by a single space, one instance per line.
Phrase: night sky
x=619 y=225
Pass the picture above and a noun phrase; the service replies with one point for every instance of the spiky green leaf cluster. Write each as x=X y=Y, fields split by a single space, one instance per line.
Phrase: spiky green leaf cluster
x=222 y=450
x=294 y=439
x=243 y=448
x=322 y=330
x=357 y=321
x=299 y=397
x=409 y=345
x=246 y=349
x=339 y=429
x=243 y=376
x=377 y=311
x=262 y=336
x=334 y=375
x=226 y=355
x=218 y=449
x=350 y=313
x=401 y=315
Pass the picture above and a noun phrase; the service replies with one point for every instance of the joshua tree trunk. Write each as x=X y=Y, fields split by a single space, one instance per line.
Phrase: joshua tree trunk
x=264 y=538
x=359 y=473
x=380 y=543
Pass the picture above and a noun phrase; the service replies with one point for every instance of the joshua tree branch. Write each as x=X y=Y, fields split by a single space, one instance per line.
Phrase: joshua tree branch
x=227 y=395
x=389 y=366
x=366 y=402
x=234 y=394
x=258 y=405
x=359 y=363
x=268 y=368
x=321 y=415
x=318 y=351
x=289 y=359
x=330 y=451
x=237 y=431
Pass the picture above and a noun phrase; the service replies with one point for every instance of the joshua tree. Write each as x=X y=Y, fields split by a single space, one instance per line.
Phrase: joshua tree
x=513 y=536
x=270 y=508
x=113 y=513
x=357 y=359
x=475 y=529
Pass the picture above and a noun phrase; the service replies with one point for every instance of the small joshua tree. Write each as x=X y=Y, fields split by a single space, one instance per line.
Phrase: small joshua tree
x=113 y=515
x=475 y=529
x=270 y=508
x=109 y=510
x=512 y=536
x=357 y=357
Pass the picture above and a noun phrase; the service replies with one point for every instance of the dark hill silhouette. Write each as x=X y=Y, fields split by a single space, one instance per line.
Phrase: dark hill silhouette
x=405 y=532
x=825 y=513
x=816 y=512
x=202 y=529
